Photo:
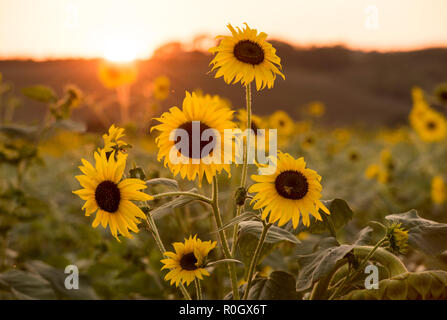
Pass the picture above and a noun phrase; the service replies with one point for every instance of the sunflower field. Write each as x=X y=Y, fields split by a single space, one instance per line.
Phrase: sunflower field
x=328 y=214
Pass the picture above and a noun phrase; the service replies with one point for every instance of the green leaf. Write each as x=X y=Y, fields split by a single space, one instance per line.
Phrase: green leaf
x=175 y=203
x=279 y=285
x=315 y=266
x=340 y=211
x=213 y=263
x=70 y=125
x=371 y=234
x=242 y=217
x=40 y=93
x=25 y=285
x=163 y=181
x=424 y=235
x=274 y=235
x=19 y=131
x=57 y=279
x=250 y=233
x=426 y=285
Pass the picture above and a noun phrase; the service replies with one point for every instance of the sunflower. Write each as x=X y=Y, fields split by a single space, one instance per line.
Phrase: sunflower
x=431 y=127
x=188 y=261
x=201 y=112
x=161 y=88
x=112 y=139
x=308 y=142
x=281 y=121
x=113 y=75
x=246 y=56
x=109 y=196
x=292 y=191
x=441 y=93
x=316 y=109
x=438 y=190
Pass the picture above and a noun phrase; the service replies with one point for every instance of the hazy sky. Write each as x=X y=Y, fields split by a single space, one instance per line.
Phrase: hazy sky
x=89 y=28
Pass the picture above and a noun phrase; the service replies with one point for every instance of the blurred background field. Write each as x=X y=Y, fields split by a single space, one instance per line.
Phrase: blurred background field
x=344 y=108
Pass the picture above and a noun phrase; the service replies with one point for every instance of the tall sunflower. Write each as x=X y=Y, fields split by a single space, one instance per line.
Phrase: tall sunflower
x=246 y=56
x=202 y=112
x=188 y=261
x=292 y=191
x=110 y=197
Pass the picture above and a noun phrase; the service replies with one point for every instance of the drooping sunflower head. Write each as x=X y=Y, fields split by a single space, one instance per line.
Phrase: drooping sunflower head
x=188 y=261
x=113 y=75
x=109 y=196
x=191 y=139
x=398 y=238
x=161 y=88
x=245 y=56
x=293 y=191
x=438 y=190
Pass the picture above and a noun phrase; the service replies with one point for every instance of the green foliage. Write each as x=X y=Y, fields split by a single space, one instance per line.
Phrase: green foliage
x=427 y=285
x=40 y=93
x=315 y=266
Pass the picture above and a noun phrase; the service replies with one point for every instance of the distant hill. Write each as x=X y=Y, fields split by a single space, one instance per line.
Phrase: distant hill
x=367 y=88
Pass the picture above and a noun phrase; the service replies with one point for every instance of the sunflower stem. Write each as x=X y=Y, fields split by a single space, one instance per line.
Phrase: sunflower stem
x=183 y=193
x=358 y=270
x=254 y=260
x=244 y=164
x=223 y=239
x=198 y=289
x=154 y=231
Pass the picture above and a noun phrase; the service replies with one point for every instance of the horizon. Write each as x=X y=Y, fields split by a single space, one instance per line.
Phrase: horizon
x=84 y=30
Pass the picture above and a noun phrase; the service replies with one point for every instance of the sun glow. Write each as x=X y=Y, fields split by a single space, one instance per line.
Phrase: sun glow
x=120 y=49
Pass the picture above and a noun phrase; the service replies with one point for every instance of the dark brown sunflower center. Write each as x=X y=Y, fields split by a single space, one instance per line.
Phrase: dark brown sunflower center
x=291 y=184
x=249 y=52
x=281 y=123
x=353 y=156
x=188 y=262
x=431 y=125
x=195 y=145
x=108 y=196
x=443 y=95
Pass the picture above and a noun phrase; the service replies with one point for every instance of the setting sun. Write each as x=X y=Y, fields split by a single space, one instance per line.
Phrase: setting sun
x=120 y=48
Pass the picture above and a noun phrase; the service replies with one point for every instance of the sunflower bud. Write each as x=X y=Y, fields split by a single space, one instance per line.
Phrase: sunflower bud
x=137 y=173
x=398 y=238
x=240 y=195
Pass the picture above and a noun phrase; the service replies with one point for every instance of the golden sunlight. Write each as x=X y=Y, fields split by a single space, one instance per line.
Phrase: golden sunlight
x=120 y=48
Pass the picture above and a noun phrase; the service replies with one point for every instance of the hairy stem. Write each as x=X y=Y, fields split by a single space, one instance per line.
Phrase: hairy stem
x=223 y=239
x=254 y=260
x=245 y=163
x=198 y=289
